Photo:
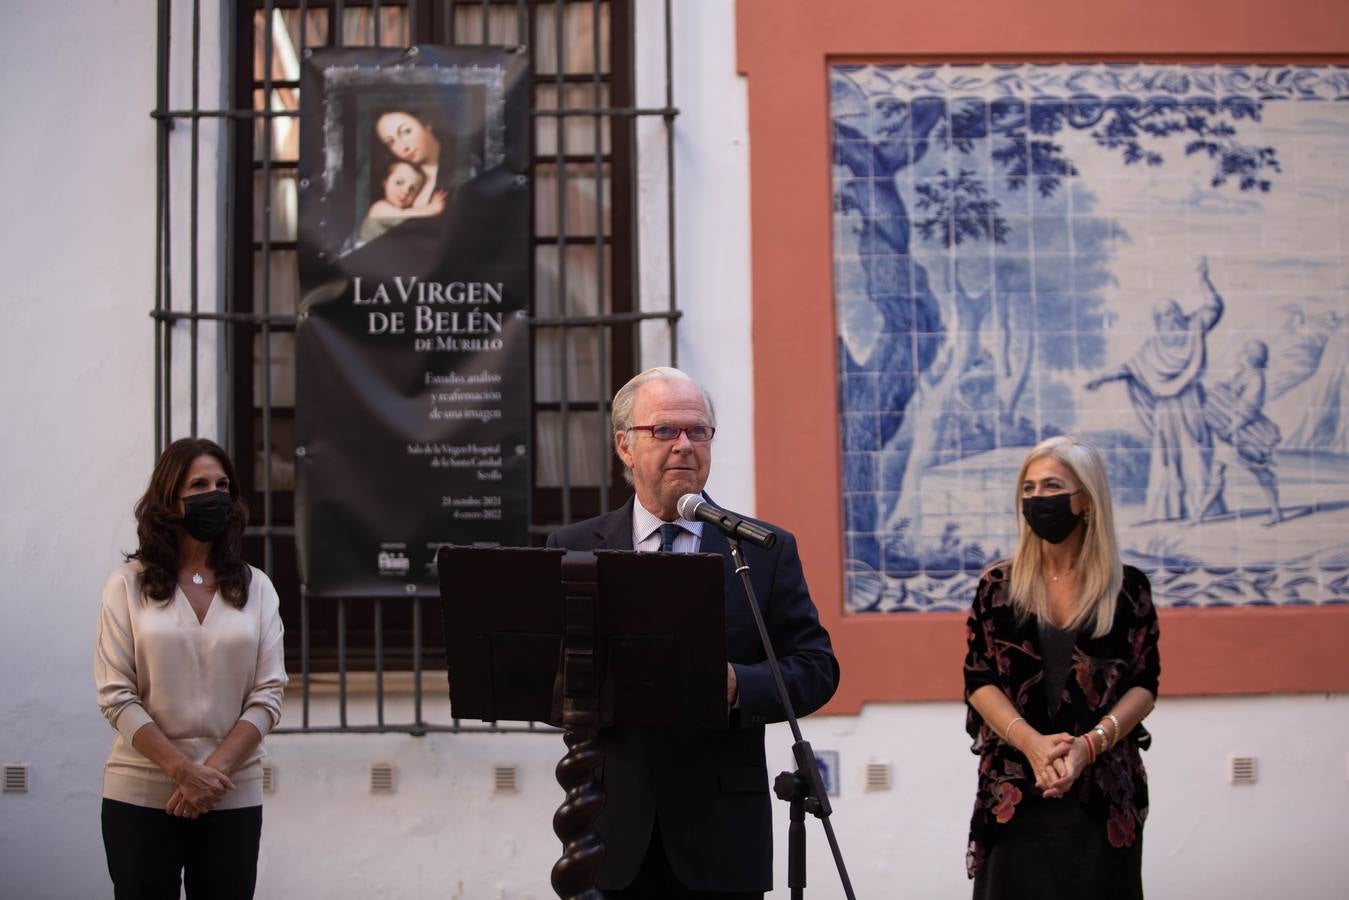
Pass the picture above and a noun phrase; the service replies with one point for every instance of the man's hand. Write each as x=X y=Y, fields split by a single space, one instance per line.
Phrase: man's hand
x=732 y=689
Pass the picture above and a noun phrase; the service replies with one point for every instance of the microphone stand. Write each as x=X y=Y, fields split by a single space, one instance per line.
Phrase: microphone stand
x=803 y=789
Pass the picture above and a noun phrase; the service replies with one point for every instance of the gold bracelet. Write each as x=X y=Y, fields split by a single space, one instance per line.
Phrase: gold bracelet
x=1115 y=722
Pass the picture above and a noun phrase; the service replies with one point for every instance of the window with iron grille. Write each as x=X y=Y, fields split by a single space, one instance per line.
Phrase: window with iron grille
x=587 y=333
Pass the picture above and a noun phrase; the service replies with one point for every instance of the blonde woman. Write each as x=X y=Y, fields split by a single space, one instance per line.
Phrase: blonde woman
x=1061 y=668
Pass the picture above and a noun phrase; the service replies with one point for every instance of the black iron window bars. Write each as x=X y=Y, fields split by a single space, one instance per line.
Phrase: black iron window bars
x=576 y=82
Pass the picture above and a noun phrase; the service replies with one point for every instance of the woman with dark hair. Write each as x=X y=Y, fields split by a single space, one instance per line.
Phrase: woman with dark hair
x=190 y=671
x=1060 y=671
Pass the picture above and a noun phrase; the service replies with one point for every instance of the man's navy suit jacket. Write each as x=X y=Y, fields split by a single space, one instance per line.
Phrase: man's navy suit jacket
x=709 y=788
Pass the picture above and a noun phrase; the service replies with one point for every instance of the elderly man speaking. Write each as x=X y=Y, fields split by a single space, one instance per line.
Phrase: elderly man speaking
x=688 y=812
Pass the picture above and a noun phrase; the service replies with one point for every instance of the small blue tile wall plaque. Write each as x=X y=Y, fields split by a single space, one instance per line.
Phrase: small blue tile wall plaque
x=828 y=763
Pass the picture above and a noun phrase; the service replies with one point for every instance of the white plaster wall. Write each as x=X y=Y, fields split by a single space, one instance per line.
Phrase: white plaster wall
x=441 y=834
x=76 y=373
x=76 y=378
x=1280 y=837
x=711 y=172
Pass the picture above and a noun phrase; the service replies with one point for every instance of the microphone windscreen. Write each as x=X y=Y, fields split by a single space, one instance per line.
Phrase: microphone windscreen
x=688 y=506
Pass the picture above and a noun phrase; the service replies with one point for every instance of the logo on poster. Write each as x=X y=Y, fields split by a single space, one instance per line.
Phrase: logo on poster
x=393 y=562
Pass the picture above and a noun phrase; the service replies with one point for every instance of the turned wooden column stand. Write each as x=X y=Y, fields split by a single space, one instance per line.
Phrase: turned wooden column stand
x=574 y=822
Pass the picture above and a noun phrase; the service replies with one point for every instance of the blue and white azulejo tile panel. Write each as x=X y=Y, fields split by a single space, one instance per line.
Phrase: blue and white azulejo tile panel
x=1152 y=258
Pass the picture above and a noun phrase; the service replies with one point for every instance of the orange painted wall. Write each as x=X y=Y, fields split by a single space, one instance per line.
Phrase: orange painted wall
x=785 y=48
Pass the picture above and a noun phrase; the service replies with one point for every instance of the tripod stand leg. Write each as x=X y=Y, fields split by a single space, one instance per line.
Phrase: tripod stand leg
x=796 y=848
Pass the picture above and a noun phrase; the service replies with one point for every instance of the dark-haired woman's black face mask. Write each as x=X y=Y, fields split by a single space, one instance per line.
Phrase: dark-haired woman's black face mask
x=205 y=515
x=1052 y=517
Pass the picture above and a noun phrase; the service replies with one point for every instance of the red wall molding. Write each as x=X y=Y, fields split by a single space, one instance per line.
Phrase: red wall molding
x=784 y=49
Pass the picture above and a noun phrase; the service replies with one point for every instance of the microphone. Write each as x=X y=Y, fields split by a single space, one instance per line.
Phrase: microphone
x=696 y=508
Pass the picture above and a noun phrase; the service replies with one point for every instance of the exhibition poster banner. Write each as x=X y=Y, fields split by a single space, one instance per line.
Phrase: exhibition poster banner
x=412 y=342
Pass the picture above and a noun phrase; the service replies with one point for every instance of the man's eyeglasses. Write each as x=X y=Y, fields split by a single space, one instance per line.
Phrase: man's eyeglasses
x=699 y=434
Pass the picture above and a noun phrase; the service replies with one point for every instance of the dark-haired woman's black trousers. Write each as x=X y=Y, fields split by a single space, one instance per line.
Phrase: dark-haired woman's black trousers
x=149 y=851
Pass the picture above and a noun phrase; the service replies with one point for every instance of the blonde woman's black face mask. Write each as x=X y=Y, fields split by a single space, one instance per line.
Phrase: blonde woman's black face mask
x=1052 y=517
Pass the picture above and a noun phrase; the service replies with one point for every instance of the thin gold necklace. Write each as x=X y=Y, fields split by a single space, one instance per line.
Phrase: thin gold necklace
x=1053 y=577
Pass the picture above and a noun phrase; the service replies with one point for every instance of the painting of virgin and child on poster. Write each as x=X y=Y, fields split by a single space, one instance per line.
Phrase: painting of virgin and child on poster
x=1154 y=258
x=412 y=341
x=397 y=135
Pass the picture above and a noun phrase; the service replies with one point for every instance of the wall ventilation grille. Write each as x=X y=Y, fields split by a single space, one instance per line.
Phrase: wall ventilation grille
x=1241 y=769
x=878 y=777
x=268 y=778
x=16 y=780
x=381 y=778
x=505 y=779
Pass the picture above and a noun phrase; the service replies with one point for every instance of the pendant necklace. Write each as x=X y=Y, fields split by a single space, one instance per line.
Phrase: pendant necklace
x=197 y=579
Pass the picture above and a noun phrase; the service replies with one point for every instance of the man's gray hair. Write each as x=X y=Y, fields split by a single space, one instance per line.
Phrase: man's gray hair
x=621 y=408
